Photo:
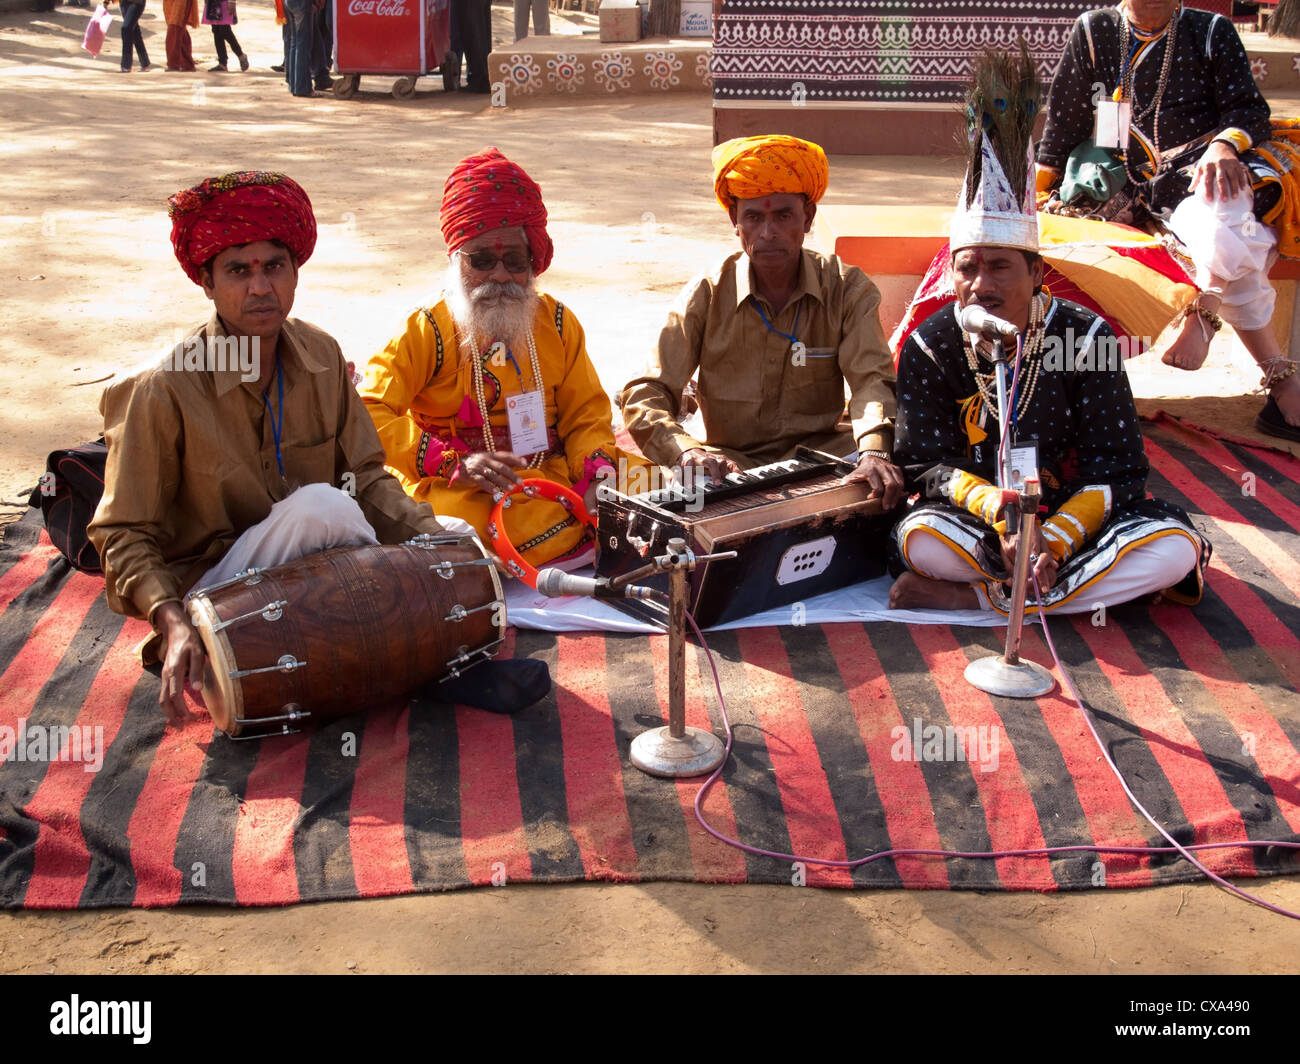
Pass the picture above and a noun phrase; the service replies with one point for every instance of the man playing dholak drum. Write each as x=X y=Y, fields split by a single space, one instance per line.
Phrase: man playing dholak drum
x=1170 y=91
x=492 y=384
x=775 y=332
x=233 y=453
x=1102 y=541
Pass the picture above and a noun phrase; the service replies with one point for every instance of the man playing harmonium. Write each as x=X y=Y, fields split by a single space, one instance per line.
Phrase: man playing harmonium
x=233 y=452
x=1172 y=93
x=493 y=383
x=774 y=332
x=1102 y=541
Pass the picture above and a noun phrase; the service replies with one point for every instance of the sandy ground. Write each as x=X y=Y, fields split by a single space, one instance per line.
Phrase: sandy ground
x=88 y=286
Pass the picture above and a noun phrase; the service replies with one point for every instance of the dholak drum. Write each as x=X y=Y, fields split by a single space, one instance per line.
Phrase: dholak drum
x=336 y=631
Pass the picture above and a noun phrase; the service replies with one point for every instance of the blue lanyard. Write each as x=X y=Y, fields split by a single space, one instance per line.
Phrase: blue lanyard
x=1123 y=70
x=277 y=424
x=510 y=357
x=792 y=337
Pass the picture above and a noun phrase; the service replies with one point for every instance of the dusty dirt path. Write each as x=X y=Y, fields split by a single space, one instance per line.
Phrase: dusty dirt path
x=88 y=286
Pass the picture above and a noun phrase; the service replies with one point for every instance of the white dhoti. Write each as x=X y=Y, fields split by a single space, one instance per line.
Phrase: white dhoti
x=1134 y=557
x=1227 y=243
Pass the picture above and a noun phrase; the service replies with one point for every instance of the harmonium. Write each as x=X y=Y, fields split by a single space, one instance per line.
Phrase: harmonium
x=796 y=530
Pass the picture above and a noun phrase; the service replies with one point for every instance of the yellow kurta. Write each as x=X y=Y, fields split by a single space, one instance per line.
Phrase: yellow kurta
x=420 y=392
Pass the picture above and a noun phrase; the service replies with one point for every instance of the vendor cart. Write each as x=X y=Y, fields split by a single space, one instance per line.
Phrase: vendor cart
x=409 y=38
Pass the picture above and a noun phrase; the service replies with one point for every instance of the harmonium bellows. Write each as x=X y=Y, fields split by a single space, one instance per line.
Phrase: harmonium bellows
x=796 y=529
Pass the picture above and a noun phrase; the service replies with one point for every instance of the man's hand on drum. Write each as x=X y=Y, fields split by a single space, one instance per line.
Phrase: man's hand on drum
x=885 y=478
x=696 y=462
x=493 y=473
x=1220 y=173
x=183 y=659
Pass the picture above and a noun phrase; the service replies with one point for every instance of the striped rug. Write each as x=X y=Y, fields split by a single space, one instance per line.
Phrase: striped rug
x=839 y=752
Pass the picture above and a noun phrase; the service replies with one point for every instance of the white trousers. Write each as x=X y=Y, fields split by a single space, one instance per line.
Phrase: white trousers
x=311 y=519
x=1141 y=570
x=1226 y=240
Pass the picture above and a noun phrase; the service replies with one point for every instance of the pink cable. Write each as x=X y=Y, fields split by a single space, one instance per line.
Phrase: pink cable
x=1011 y=403
x=1037 y=852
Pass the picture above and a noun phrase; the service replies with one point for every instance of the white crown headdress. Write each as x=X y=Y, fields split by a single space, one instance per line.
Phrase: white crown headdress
x=997 y=206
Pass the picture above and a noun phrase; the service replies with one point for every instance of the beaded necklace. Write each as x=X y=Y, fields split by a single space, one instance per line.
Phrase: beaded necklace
x=1171 y=39
x=481 y=395
x=1030 y=363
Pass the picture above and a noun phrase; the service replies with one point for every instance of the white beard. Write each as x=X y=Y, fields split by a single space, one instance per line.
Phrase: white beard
x=492 y=311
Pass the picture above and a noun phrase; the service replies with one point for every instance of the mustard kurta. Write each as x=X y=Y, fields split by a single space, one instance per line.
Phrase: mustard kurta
x=420 y=392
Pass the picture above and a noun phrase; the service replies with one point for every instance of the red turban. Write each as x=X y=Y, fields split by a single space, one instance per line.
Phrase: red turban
x=240 y=208
x=487 y=191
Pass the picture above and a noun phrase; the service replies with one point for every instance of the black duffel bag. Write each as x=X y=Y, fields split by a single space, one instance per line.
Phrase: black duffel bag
x=67 y=496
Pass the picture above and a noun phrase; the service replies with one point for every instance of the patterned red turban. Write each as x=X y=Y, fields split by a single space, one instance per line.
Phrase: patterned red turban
x=240 y=208
x=750 y=167
x=487 y=191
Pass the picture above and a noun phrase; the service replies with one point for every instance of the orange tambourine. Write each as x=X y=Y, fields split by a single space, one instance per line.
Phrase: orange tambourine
x=534 y=489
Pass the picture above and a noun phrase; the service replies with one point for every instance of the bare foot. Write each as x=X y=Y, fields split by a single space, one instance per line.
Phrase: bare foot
x=1190 y=346
x=913 y=592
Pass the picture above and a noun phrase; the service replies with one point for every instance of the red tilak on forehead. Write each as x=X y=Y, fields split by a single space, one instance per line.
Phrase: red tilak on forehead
x=257 y=262
x=767 y=205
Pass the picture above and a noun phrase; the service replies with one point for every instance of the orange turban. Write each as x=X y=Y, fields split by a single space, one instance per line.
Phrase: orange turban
x=749 y=167
x=240 y=208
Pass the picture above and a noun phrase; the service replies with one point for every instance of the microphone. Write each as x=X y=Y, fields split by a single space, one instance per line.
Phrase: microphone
x=554 y=583
x=975 y=319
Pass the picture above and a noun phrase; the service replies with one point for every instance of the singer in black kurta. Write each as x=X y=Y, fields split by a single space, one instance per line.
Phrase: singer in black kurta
x=1078 y=407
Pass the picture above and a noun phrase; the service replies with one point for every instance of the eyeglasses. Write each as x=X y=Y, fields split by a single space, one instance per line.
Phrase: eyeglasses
x=486 y=261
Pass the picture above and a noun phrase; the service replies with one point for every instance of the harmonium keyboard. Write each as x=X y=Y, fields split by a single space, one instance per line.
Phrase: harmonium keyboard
x=796 y=530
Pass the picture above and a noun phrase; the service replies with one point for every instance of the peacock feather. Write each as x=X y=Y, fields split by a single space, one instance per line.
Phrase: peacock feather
x=1002 y=101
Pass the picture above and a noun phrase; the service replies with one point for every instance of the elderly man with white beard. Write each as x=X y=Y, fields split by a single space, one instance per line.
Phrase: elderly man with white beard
x=492 y=384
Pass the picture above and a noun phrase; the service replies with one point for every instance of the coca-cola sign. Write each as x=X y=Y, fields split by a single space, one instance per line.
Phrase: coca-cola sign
x=385 y=8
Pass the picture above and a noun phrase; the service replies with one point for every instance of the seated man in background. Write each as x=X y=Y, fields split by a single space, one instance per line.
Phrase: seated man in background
x=492 y=383
x=233 y=452
x=1103 y=541
x=774 y=331
x=1197 y=157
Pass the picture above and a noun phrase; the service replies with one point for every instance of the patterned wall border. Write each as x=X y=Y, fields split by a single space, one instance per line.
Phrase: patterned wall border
x=618 y=69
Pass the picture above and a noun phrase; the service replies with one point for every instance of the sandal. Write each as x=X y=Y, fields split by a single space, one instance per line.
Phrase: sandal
x=1270 y=420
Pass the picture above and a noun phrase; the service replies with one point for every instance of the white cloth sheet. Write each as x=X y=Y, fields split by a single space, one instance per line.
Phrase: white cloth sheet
x=868 y=601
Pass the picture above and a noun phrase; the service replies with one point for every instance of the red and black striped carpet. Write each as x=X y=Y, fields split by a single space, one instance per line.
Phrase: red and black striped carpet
x=1198 y=706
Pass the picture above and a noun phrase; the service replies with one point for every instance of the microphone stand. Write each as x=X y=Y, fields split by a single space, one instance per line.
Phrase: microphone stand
x=677 y=750
x=1006 y=674
x=1004 y=451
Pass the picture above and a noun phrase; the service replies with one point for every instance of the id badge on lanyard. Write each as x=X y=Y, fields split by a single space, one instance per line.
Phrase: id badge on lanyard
x=526 y=414
x=1022 y=458
x=1112 y=123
